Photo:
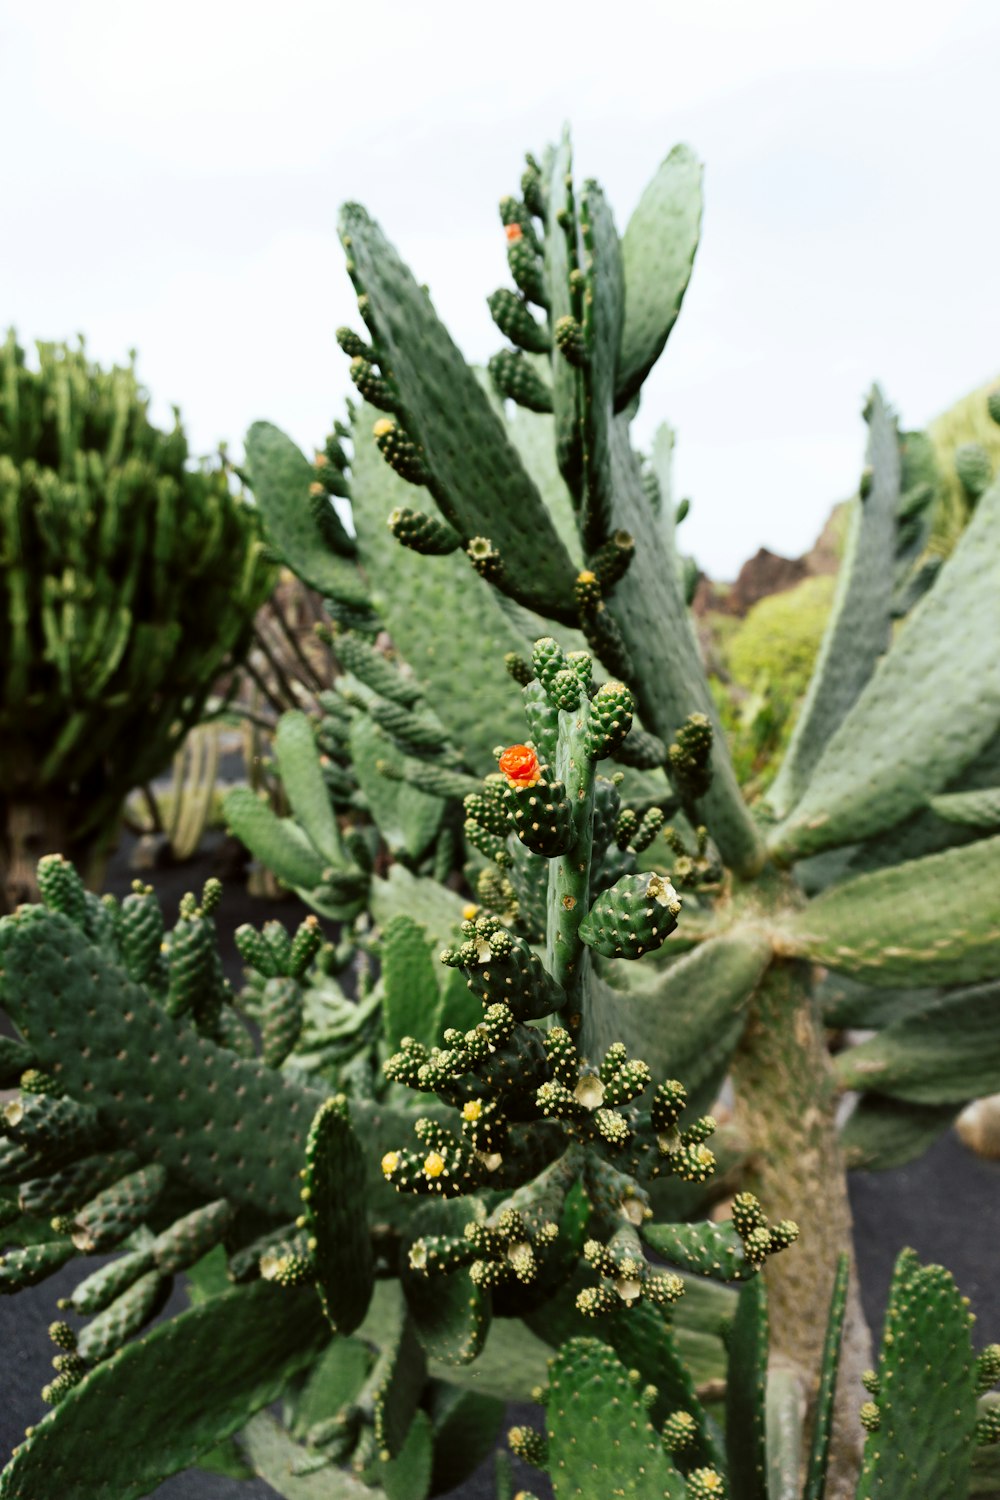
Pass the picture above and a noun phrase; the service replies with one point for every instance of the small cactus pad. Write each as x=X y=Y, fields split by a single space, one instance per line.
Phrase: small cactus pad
x=598 y=1427
x=633 y=917
x=334 y=1198
x=926 y=1426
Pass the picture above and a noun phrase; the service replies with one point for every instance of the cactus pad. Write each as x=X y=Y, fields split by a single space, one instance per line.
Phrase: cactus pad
x=187 y=1385
x=334 y=1196
x=597 y=1425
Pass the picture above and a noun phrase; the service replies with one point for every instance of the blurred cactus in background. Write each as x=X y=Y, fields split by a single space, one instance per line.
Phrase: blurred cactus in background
x=128 y=582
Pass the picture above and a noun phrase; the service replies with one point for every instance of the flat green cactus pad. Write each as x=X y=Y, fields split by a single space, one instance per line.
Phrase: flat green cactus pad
x=707 y=1249
x=173 y=1394
x=558 y=218
x=650 y=609
x=598 y=1427
x=408 y=818
x=884 y=1133
x=302 y=778
x=604 y=307
x=815 y=1484
x=927 y=1400
x=705 y=993
x=281 y=476
x=277 y=842
x=334 y=1382
x=335 y=1212
x=746 y=1385
x=397 y=1384
x=480 y=480
x=785 y=1412
x=643 y=1341
x=931 y=921
x=450 y=1314
x=858 y=631
x=165 y=1092
x=466 y=1424
x=976 y=809
x=435 y=608
x=946 y=1052
x=885 y=758
x=412 y=1001
x=658 y=250
x=408 y=1476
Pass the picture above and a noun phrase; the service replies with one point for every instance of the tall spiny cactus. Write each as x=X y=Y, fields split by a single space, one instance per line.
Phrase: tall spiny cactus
x=128 y=580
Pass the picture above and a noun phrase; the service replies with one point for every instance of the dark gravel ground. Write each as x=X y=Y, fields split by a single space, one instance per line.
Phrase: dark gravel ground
x=946 y=1206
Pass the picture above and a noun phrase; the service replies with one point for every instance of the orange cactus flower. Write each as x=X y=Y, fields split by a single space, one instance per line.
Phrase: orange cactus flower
x=519 y=764
x=513 y=232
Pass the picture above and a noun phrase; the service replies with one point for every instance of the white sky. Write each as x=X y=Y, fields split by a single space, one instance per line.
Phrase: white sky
x=171 y=177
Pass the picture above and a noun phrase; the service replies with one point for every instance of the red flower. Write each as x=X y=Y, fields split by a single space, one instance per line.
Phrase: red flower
x=513 y=232
x=519 y=764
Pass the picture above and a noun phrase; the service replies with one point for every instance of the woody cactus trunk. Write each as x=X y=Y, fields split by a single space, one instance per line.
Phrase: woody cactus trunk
x=870 y=862
x=128 y=582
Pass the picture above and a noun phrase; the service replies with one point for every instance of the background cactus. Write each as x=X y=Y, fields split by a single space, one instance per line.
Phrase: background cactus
x=129 y=581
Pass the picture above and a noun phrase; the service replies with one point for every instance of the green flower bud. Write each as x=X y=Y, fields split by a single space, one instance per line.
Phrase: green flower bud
x=570 y=341
x=633 y=917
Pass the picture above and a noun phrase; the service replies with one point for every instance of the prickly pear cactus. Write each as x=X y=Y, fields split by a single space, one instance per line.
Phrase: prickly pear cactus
x=146 y=1118
x=876 y=854
x=594 y=994
x=129 y=581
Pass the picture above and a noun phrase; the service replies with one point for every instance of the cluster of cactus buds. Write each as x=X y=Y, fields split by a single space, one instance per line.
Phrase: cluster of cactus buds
x=535 y=1115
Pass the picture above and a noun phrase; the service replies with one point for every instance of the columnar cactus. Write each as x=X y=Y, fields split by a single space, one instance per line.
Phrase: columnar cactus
x=128 y=581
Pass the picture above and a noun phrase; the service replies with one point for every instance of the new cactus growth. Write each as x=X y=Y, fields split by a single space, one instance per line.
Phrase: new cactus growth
x=129 y=581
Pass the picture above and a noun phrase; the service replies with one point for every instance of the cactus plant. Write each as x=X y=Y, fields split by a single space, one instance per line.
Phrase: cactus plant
x=534 y=1170
x=129 y=580
x=860 y=859
x=556 y=1144
x=534 y=1164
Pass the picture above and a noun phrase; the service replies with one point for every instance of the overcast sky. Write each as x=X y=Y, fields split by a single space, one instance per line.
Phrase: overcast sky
x=172 y=173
